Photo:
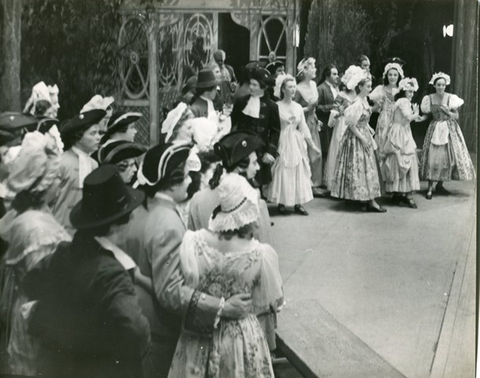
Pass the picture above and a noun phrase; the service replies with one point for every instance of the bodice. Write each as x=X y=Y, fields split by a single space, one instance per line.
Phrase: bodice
x=437 y=113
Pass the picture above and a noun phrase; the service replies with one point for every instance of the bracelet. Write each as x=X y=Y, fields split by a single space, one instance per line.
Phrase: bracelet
x=219 y=312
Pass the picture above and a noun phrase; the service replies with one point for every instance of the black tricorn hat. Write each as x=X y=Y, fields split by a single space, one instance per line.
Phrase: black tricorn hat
x=119 y=150
x=121 y=118
x=262 y=75
x=236 y=146
x=106 y=198
x=272 y=66
x=10 y=121
x=82 y=121
x=206 y=78
x=394 y=59
x=46 y=123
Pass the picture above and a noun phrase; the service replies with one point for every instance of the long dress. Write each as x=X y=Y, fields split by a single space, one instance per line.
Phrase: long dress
x=237 y=348
x=445 y=156
x=342 y=101
x=401 y=163
x=303 y=97
x=32 y=236
x=291 y=183
x=356 y=173
x=380 y=95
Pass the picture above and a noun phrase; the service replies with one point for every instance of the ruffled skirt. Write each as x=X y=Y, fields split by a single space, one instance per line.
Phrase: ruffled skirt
x=450 y=161
x=400 y=168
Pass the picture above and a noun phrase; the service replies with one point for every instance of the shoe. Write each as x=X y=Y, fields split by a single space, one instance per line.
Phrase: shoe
x=300 y=210
x=397 y=198
x=373 y=209
x=282 y=209
x=318 y=193
x=410 y=202
x=441 y=190
x=429 y=195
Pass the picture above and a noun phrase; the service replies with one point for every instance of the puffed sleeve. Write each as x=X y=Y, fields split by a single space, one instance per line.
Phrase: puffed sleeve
x=377 y=94
x=268 y=294
x=425 y=105
x=353 y=113
x=405 y=107
x=455 y=102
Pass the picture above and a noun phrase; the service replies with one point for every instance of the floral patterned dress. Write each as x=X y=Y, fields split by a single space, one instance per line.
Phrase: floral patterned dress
x=337 y=121
x=401 y=163
x=380 y=95
x=445 y=156
x=237 y=348
x=303 y=97
x=356 y=173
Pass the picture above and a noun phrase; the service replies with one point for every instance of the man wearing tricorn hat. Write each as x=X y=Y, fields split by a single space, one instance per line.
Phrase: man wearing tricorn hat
x=258 y=113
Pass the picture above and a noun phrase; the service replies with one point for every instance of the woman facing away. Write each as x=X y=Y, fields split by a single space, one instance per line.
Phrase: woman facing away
x=307 y=96
x=223 y=261
x=337 y=121
x=444 y=156
x=32 y=233
x=356 y=176
x=401 y=164
x=291 y=185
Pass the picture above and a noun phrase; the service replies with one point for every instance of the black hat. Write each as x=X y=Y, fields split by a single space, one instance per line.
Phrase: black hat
x=189 y=84
x=83 y=120
x=105 y=199
x=236 y=146
x=206 y=79
x=10 y=121
x=160 y=161
x=46 y=123
x=272 y=66
x=119 y=150
x=5 y=137
x=120 y=119
x=262 y=75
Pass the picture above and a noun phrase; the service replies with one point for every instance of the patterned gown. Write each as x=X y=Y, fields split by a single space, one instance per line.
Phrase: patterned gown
x=237 y=348
x=381 y=96
x=356 y=173
x=291 y=183
x=444 y=156
x=342 y=101
x=303 y=97
x=401 y=164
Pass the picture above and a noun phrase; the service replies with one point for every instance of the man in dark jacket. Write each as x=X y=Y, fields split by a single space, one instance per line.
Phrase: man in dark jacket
x=258 y=113
x=87 y=316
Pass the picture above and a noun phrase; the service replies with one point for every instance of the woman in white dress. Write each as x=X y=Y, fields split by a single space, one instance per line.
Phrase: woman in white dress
x=307 y=96
x=291 y=184
x=337 y=121
x=401 y=164
x=444 y=156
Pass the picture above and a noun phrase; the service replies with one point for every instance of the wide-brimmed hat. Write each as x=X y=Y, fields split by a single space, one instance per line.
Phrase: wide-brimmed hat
x=105 y=199
x=119 y=150
x=120 y=119
x=82 y=121
x=262 y=75
x=10 y=121
x=160 y=161
x=236 y=146
x=238 y=204
x=206 y=78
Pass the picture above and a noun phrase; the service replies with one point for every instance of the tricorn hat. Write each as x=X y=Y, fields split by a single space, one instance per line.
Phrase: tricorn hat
x=206 y=78
x=262 y=75
x=105 y=199
x=120 y=119
x=82 y=121
x=119 y=150
x=272 y=66
x=9 y=121
x=236 y=146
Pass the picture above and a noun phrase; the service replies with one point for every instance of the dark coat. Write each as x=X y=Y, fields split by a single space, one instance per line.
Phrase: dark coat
x=87 y=317
x=325 y=102
x=200 y=108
